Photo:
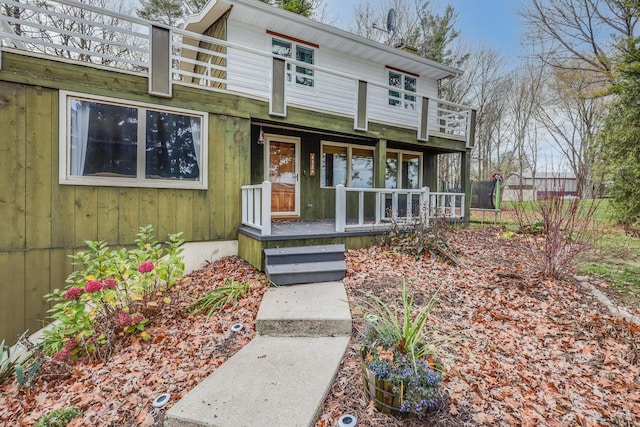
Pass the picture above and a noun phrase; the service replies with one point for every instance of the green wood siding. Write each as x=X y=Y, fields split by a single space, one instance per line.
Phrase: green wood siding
x=44 y=221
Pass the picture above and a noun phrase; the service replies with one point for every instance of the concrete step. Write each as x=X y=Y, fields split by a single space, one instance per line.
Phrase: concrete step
x=306 y=272
x=272 y=381
x=316 y=309
x=303 y=254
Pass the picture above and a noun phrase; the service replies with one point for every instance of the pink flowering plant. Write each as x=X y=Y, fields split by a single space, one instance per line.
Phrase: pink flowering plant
x=112 y=293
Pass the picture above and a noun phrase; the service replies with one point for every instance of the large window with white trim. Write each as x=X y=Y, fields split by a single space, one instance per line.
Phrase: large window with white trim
x=106 y=141
x=403 y=82
x=403 y=169
x=303 y=76
x=349 y=165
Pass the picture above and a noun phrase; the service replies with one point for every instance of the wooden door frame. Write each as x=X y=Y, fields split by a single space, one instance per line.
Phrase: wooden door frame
x=268 y=138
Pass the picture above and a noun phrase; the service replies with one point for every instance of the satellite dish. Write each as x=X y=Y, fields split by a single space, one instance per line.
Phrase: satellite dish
x=391 y=20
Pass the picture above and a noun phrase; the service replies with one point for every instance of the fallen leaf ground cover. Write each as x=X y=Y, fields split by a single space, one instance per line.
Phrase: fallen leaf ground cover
x=182 y=351
x=531 y=350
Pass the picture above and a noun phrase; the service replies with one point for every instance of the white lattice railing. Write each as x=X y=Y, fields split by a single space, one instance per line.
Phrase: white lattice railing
x=76 y=31
x=256 y=207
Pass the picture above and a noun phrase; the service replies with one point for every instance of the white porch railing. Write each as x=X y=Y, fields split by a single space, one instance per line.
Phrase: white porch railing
x=446 y=205
x=400 y=205
x=256 y=207
x=69 y=30
x=421 y=203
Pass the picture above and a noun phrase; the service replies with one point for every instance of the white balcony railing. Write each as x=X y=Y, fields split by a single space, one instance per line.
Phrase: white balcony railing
x=69 y=30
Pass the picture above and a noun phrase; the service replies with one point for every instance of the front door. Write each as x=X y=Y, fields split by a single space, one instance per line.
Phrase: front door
x=282 y=169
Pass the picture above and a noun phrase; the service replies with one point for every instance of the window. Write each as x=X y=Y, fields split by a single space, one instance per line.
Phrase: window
x=349 y=165
x=403 y=169
x=402 y=82
x=285 y=48
x=110 y=142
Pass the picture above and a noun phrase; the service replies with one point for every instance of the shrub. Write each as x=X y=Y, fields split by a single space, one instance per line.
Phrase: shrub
x=58 y=417
x=557 y=230
x=220 y=297
x=111 y=293
x=419 y=237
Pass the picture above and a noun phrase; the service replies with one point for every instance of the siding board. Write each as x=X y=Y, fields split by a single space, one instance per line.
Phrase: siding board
x=39 y=143
x=13 y=112
x=107 y=214
x=128 y=222
x=149 y=206
x=37 y=263
x=12 y=292
x=86 y=215
x=166 y=214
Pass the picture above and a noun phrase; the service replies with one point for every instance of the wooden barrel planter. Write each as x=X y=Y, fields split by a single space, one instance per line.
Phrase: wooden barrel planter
x=382 y=393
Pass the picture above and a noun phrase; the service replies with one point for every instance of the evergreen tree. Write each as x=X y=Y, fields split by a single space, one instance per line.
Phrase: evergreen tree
x=621 y=137
x=173 y=12
x=169 y=12
x=300 y=7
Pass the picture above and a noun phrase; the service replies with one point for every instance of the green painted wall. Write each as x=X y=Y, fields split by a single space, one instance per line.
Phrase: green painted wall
x=44 y=221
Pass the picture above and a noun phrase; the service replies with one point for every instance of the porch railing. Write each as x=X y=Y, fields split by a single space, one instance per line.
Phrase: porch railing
x=256 y=207
x=386 y=205
x=398 y=205
x=383 y=214
x=69 y=30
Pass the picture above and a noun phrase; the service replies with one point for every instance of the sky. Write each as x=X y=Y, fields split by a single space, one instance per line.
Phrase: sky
x=483 y=23
x=489 y=23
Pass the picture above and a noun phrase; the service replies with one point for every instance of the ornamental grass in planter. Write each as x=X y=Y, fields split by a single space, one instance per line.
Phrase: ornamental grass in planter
x=401 y=367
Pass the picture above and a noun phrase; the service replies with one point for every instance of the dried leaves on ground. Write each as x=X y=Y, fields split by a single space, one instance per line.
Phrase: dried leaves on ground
x=182 y=351
x=530 y=350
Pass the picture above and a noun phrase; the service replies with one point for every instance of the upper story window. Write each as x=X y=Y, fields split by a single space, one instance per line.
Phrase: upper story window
x=405 y=82
x=349 y=165
x=304 y=53
x=112 y=142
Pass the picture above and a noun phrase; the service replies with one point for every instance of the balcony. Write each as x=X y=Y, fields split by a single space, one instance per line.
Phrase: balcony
x=71 y=31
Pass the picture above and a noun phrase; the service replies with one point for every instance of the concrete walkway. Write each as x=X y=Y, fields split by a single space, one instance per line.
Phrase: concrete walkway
x=283 y=375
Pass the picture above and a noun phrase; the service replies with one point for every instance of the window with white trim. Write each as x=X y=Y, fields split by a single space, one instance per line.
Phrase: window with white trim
x=285 y=48
x=403 y=169
x=403 y=82
x=349 y=165
x=111 y=142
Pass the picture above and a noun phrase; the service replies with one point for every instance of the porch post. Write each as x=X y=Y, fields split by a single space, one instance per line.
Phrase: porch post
x=277 y=102
x=341 y=208
x=465 y=172
x=160 y=62
x=424 y=205
x=266 y=208
x=380 y=161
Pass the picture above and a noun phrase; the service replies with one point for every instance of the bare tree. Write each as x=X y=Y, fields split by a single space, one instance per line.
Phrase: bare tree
x=528 y=83
x=572 y=116
x=486 y=85
x=582 y=34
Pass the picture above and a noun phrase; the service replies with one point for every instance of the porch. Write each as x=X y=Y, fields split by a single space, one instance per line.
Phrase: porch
x=362 y=217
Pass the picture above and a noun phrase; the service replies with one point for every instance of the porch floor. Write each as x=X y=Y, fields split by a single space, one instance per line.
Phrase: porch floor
x=301 y=229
